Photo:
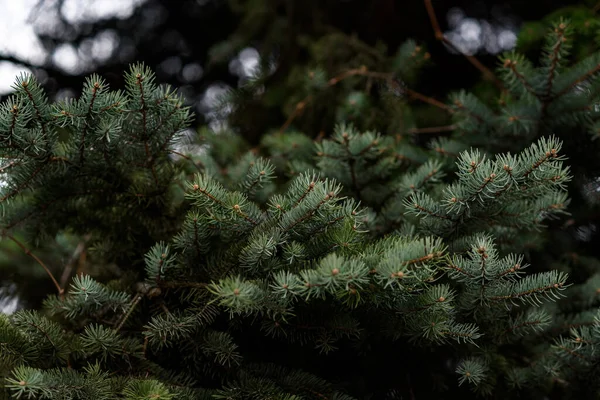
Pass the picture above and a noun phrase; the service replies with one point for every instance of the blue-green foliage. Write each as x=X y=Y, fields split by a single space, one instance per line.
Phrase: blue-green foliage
x=339 y=245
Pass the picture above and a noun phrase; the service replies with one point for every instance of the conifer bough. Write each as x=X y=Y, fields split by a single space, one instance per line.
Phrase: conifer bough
x=332 y=248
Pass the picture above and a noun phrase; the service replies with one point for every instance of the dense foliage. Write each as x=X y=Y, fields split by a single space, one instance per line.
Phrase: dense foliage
x=364 y=262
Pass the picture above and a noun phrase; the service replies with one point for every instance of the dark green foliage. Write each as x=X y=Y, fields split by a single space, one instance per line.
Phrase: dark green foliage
x=363 y=264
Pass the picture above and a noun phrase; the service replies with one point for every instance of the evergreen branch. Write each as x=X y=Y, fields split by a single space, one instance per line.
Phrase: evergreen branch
x=45 y=206
x=460 y=270
x=95 y=88
x=310 y=212
x=529 y=292
x=429 y=212
x=238 y=210
x=573 y=353
x=15 y=113
x=176 y=108
x=139 y=79
x=511 y=64
x=577 y=81
x=555 y=60
x=310 y=188
x=25 y=86
x=461 y=106
x=525 y=324
x=130 y=309
x=23 y=184
x=149 y=157
x=428 y=100
x=110 y=106
x=43 y=332
x=552 y=153
x=189 y=159
x=177 y=128
x=9 y=165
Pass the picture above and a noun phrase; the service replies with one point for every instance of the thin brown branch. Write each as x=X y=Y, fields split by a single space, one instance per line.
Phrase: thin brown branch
x=175 y=284
x=310 y=213
x=27 y=251
x=362 y=71
x=582 y=78
x=187 y=158
x=125 y=316
x=512 y=66
x=440 y=36
x=428 y=100
x=432 y=129
x=432 y=213
x=297 y=111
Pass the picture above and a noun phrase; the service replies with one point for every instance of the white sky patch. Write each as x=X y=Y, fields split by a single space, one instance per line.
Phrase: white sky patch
x=9 y=303
x=104 y=45
x=209 y=101
x=76 y=11
x=507 y=39
x=66 y=58
x=249 y=59
x=246 y=63
x=17 y=37
x=8 y=75
x=192 y=72
x=472 y=35
x=213 y=94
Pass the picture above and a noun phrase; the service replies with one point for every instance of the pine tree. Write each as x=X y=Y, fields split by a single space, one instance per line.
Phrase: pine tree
x=361 y=264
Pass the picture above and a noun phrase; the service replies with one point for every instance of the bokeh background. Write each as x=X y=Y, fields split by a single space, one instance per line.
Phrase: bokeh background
x=206 y=47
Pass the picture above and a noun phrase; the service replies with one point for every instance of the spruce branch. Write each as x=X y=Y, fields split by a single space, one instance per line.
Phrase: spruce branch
x=95 y=87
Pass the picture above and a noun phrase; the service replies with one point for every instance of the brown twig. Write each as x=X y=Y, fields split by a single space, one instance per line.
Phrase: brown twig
x=297 y=111
x=428 y=100
x=582 y=78
x=188 y=158
x=30 y=254
x=176 y=284
x=440 y=36
x=363 y=71
x=433 y=129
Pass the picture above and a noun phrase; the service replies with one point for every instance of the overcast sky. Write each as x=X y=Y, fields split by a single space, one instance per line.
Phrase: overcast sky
x=18 y=39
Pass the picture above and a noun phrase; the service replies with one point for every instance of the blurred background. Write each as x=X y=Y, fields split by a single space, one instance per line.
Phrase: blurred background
x=206 y=47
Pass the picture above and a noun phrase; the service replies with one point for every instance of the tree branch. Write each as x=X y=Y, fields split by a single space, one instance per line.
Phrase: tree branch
x=440 y=36
x=30 y=254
